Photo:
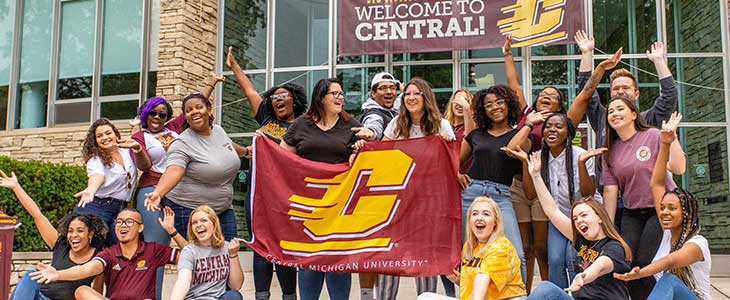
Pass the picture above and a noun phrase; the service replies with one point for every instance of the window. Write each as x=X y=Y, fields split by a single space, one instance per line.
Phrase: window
x=7 y=22
x=35 y=61
x=237 y=116
x=301 y=33
x=356 y=82
x=245 y=31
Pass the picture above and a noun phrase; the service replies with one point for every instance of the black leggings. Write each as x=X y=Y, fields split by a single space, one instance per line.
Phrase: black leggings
x=263 y=271
x=641 y=230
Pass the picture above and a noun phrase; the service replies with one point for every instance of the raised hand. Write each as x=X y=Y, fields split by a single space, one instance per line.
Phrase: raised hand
x=230 y=59
x=460 y=99
x=577 y=283
x=9 y=182
x=585 y=43
x=669 y=128
x=45 y=274
x=130 y=144
x=85 y=197
x=613 y=61
x=168 y=223
x=656 y=53
x=363 y=133
x=152 y=201
x=515 y=153
x=233 y=247
x=534 y=164
x=507 y=47
x=585 y=156
x=537 y=117
x=631 y=275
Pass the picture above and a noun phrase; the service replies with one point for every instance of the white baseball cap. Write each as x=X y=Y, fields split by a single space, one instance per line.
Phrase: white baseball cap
x=383 y=77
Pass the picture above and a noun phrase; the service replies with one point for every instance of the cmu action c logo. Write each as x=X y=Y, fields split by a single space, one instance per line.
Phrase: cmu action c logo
x=531 y=26
x=342 y=221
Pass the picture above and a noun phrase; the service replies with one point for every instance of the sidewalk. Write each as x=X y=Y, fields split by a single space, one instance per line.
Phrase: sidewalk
x=407 y=289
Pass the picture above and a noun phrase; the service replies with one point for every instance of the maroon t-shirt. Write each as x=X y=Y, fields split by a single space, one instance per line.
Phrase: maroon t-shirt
x=150 y=177
x=134 y=278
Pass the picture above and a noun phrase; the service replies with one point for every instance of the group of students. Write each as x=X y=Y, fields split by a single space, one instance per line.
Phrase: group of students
x=528 y=193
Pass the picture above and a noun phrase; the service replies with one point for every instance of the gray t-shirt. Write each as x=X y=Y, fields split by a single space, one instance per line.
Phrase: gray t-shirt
x=210 y=267
x=211 y=164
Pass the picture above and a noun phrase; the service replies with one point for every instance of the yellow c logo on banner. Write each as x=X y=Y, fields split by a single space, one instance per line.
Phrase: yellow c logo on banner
x=530 y=28
x=340 y=215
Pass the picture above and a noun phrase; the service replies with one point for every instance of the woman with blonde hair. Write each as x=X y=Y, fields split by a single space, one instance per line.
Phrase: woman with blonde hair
x=490 y=266
x=206 y=244
x=458 y=113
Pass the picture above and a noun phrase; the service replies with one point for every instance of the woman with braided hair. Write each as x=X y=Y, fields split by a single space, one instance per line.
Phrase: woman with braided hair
x=683 y=252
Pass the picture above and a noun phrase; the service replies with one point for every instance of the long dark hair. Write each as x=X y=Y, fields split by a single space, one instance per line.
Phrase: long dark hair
x=95 y=224
x=612 y=135
x=690 y=227
x=431 y=118
x=206 y=101
x=297 y=93
x=91 y=149
x=568 y=154
x=316 y=108
x=501 y=91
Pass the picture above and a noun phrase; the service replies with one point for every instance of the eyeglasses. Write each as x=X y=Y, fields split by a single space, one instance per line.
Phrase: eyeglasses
x=549 y=95
x=337 y=94
x=387 y=88
x=413 y=94
x=162 y=115
x=126 y=222
x=498 y=102
x=279 y=96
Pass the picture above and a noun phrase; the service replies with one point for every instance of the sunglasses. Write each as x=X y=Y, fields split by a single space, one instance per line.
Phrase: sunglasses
x=279 y=96
x=162 y=115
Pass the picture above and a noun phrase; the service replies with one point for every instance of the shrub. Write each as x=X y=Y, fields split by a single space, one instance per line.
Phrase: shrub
x=52 y=186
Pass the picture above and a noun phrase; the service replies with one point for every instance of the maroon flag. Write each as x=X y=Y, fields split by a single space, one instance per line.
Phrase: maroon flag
x=380 y=26
x=397 y=210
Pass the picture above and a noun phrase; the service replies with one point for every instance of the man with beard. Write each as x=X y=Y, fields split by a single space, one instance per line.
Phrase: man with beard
x=129 y=266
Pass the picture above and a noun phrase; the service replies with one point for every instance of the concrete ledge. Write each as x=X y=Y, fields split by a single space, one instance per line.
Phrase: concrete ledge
x=32 y=255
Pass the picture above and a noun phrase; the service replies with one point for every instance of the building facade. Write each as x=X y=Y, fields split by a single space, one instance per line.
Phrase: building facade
x=65 y=63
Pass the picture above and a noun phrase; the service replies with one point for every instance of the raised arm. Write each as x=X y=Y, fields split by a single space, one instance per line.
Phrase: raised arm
x=207 y=90
x=513 y=79
x=235 y=277
x=666 y=103
x=562 y=222
x=580 y=103
x=469 y=123
x=141 y=160
x=48 y=274
x=659 y=174
x=585 y=161
x=254 y=99
x=48 y=232
x=168 y=224
x=523 y=136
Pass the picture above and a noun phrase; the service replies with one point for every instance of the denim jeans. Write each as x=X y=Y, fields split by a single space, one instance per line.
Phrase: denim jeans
x=182 y=216
x=310 y=284
x=670 y=287
x=153 y=232
x=560 y=258
x=500 y=194
x=231 y=295
x=107 y=209
x=641 y=230
x=547 y=290
x=28 y=289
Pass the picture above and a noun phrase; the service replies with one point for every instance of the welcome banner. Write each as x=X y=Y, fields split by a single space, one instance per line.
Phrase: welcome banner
x=380 y=26
x=397 y=210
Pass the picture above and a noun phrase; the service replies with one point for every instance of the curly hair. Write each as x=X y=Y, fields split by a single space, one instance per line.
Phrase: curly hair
x=95 y=224
x=91 y=148
x=297 y=93
x=431 y=118
x=501 y=91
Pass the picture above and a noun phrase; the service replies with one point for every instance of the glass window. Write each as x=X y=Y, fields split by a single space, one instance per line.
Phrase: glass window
x=360 y=59
x=35 y=59
x=301 y=33
x=245 y=30
x=555 y=50
x=440 y=77
x=76 y=50
x=240 y=186
x=489 y=53
x=707 y=179
x=122 y=48
x=422 y=56
x=307 y=79
x=73 y=112
x=119 y=110
x=693 y=26
x=478 y=76
x=7 y=23
x=4 y=90
x=236 y=113
x=630 y=24
x=154 y=40
x=356 y=83
x=705 y=103
x=561 y=74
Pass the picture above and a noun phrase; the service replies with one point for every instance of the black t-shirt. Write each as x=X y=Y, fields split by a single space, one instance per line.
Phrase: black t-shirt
x=604 y=287
x=489 y=162
x=332 y=146
x=271 y=126
x=64 y=290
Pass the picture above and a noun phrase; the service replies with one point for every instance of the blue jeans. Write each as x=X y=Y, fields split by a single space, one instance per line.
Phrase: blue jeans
x=560 y=258
x=670 y=287
x=310 y=284
x=153 y=232
x=230 y=295
x=227 y=220
x=500 y=194
x=547 y=290
x=107 y=209
x=28 y=289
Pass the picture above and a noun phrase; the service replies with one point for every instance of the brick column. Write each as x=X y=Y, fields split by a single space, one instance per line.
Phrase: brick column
x=187 y=47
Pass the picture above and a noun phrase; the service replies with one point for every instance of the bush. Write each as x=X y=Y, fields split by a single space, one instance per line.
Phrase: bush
x=52 y=186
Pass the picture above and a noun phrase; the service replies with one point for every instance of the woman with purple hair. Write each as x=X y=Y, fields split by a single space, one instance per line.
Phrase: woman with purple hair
x=157 y=131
